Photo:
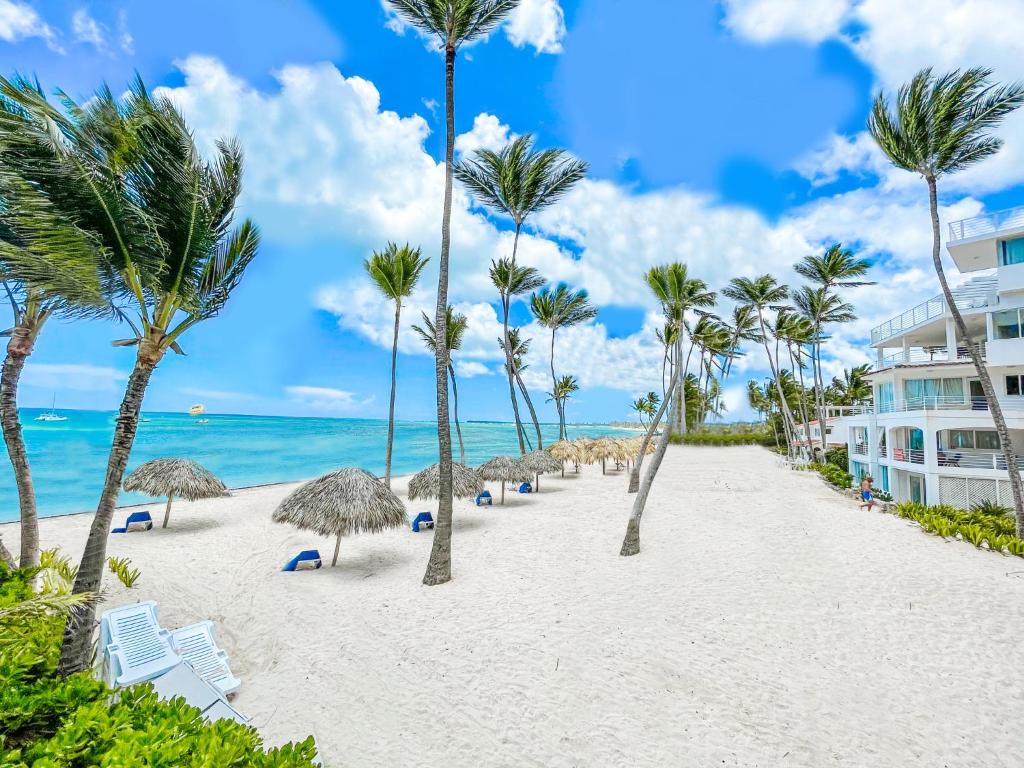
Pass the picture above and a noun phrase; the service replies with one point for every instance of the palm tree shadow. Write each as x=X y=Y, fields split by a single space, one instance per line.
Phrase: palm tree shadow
x=186 y=525
x=366 y=564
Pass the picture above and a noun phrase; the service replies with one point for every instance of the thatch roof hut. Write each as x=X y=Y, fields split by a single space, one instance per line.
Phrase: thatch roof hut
x=601 y=450
x=175 y=477
x=342 y=503
x=540 y=463
x=505 y=469
x=466 y=483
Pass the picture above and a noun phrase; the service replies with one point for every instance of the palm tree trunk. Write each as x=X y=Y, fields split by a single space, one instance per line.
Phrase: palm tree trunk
x=506 y=307
x=8 y=559
x=819 y=393
x=680 y=392
x=391 y=405
x=787 y=416
x=631 y=541
x=994 y=408
x=798 y=364
x=455 y=407
x=18 y=350
x=439 y=566
x=76 y=651
x=634 y=477
x=554 y=390
x=533 y=413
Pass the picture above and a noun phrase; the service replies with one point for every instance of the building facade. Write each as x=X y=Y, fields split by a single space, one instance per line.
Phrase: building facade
x=927 y=436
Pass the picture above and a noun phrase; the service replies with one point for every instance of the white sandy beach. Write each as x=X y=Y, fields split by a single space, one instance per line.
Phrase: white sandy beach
x=766 y=622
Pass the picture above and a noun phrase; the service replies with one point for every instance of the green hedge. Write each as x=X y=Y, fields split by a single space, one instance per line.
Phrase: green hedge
x=51 y=722
x=840 y=478
x=722 y=438
x=989 y=525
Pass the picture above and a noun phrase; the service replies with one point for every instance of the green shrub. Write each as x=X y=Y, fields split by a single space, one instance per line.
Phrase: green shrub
x=51 y=722
x=840 y=478
x=984 y=523
x=991 y=508
x=122 y=568
x=839 y=457
x=723 y=438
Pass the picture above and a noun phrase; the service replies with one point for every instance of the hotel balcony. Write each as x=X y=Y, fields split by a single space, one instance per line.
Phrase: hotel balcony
x=925 y=356
x=924 y=319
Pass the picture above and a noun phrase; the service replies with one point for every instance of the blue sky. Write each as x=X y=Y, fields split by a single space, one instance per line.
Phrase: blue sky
x=726 y=134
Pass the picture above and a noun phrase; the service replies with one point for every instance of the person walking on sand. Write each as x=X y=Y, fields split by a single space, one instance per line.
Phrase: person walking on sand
x=867 y=496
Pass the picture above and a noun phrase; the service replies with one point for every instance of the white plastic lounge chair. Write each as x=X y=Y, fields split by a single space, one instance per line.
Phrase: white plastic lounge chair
x=135 y=648
x=196 y=645
x=182 y=681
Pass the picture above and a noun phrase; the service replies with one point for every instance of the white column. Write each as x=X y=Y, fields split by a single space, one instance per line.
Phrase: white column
x=990 y=328
x=951 y=339
x=906 y=350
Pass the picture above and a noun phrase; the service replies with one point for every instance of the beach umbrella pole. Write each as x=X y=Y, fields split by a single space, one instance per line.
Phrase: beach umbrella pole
x=502 y=491
x=167 y=510
x=337 y=546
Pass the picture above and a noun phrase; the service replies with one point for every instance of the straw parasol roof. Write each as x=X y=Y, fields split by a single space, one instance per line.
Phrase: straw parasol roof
x=466 y=483
x=601 y=450
x=564 y=450
x=541 y=462
x=342 y=503
x=175 y=477
x=505 y=469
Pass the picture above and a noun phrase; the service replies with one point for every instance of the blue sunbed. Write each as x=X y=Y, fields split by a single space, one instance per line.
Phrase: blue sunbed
x=484 y=498
x=137 y=521
x=306 y=560
x=526 y=488
x=423 y=520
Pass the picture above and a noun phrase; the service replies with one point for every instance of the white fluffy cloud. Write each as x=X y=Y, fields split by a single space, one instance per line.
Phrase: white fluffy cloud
x=88 y=30
x=326 y=399
x=20 y=20
x=766 y=20
x=488 y=133
x=538 y=23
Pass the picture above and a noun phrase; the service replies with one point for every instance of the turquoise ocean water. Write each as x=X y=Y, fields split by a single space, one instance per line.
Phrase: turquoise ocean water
x=69 y=458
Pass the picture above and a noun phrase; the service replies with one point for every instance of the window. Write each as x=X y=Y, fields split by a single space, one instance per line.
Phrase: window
x=1007 y=324
x=961 y=438
x=988 y=438
x=885 y=397
x=973 y=438
x=1011 y=252
x=930 y=392
x=1013 y=385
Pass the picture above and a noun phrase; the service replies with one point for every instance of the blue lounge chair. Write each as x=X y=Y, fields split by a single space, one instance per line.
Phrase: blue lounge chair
x=423 y=520
x=484 y=498
x=307 y=560
x=137 y=521
x=526 y=488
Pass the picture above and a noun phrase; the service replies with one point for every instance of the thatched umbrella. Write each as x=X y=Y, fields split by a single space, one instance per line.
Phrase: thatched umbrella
x=466 y=483
x=505 y=469
x=175 y=477
x=342 y=503
x=602 y=450
x=541 y=462
x=564 y=451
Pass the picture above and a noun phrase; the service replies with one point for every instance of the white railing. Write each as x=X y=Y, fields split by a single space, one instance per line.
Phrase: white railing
x=987 y=224
x=882 y=451
x=975 y=293
x=910 y=455
x=973 y=458
x=860 y=449
x=925 y=356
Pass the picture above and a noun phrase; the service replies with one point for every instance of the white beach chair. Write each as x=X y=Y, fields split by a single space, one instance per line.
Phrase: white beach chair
x=183 y=682
x=196 y=645
x=135 y=648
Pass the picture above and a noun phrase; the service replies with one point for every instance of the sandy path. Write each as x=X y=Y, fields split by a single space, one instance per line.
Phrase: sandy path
x=766 y=622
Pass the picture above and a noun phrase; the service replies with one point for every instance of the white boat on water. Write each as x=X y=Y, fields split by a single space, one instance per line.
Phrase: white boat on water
x=51 y=415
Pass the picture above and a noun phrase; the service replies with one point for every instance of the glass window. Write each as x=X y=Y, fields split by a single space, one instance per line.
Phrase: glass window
x=1013 y=385
x=916 y=440
x=961 y=438
x=988 y=439
x=1007 y=324
x=931 y=392
x=885 y=478
x=1012 y=252
x=885 y=397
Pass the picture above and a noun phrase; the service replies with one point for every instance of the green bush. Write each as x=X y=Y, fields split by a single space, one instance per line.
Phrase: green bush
x=722 y=438
x=834 y=475
x=839 y=457
x=51 y=722
x=985 y=523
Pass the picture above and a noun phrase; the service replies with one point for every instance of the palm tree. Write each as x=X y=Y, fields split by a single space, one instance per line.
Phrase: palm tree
x=796 y=332
x=639 y=407
x=130 y=175
x=452 y=24
x=851 y=389
x=455 y=327
x=516 y=351
x=76 y=282
x=518 y=181
x=564 y=388
x=837 y=267
x=761 y=294
x=513 y=280
x=940 y=125
x=560 y=308
x=395 y=271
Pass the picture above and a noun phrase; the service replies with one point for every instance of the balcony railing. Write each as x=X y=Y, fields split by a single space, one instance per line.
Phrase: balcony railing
x=975 y=293
x=973 y=458
x=861 y=449
x=911 y=455
x=925 y=356
x=1014 y=407
x=987 y=224
x=882 y=451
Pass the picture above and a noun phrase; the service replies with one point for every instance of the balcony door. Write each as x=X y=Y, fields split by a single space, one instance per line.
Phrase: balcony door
x=978 y=402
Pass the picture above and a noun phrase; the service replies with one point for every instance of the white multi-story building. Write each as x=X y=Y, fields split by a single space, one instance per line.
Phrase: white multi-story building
x=928 y=435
